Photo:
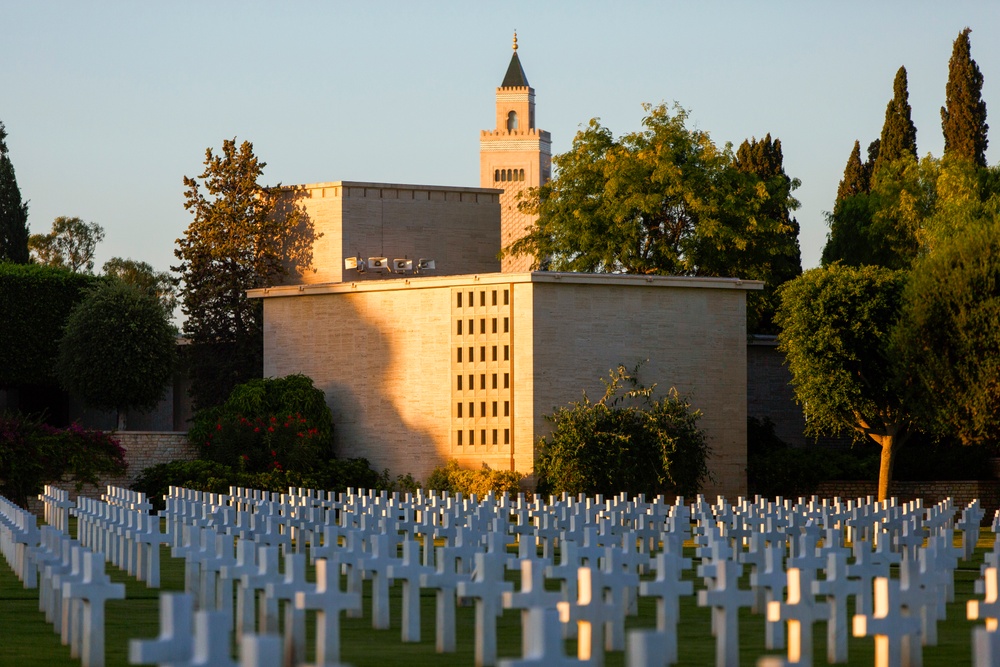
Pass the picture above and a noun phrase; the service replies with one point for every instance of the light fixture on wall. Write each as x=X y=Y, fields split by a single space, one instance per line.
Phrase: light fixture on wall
x=401 y=266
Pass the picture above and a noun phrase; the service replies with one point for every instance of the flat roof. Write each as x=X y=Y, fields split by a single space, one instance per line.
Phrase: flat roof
x=541 y=277
x=388 y=186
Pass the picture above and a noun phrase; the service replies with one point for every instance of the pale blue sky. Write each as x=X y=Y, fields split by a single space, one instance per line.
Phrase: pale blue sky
x=109 y=104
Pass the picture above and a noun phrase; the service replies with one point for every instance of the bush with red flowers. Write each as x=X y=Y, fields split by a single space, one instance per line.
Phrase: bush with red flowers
x=271 y=424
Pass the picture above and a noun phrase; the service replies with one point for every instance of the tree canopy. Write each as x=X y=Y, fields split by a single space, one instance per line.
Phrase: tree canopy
x=118 y=349
x=70 y=245
x=950 y=336
x=899 y=134
x=963 y=118
x=241 y=237
x=835 y=325
x=158 y=284
x=665 y=200
x=13 y=212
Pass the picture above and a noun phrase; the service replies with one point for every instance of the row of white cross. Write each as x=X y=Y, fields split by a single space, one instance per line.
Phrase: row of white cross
x=235 y=543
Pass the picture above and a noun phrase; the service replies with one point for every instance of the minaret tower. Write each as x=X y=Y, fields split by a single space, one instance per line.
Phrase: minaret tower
x=515 y=156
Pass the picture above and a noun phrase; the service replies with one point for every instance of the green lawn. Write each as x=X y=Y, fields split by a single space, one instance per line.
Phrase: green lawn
x=27 y=641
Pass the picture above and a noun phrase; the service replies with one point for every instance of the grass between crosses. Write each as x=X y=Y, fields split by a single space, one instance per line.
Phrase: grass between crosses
x=26 y=640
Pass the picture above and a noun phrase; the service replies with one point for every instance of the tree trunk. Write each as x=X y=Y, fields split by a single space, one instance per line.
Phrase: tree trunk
x=889 y=446
x=121 y=419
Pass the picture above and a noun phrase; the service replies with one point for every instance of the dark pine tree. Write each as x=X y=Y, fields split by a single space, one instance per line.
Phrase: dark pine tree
x=899 y=134
x=963 y=118
x=13 y=212
x=847 y=241
x=854 y=181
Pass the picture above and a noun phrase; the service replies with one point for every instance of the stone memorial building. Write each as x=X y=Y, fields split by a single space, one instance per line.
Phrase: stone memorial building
x=464 y=361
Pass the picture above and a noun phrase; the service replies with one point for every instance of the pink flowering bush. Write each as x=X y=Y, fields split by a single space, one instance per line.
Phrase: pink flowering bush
x=33 y=454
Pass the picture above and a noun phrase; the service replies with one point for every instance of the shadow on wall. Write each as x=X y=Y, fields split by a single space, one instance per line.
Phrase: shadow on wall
x=383 y=402
x=297 y=245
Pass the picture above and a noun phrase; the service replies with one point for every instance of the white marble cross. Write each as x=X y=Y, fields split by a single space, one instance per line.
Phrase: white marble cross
x=667 y=588
x=725 y=598
x=175 y=644
x=487 y=590
x=897 y=637
x=445 y=579
x=376 y=564
x=328 y=601
x=836 y=588
x=590 y=613
x=409 y=571
x=800 y=611
x=543 y=641
x=988 y=609
x=293 y=582
x=95 y=589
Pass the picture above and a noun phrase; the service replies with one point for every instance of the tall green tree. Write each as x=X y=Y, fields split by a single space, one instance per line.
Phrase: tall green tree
x=118 y=350
x=158 y=284
x=963 y=118
x=855 y=180
x=835 y=334
x=13 y=212
x=950 y=335
x=240 y=238
x=899 y=134
x=70 y=245
x=664 y=200
x=776 y=257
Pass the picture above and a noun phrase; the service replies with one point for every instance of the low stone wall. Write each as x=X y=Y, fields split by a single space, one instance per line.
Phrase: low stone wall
x=962 y=492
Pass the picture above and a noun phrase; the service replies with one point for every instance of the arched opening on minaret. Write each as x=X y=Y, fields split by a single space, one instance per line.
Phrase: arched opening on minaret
x=511 y=121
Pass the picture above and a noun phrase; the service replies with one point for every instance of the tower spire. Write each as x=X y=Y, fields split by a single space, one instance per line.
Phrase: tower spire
x=515 y=40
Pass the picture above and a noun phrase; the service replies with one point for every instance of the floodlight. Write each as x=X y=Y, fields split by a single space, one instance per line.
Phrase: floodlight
x=425 y=264
x=355 y=263
x=402 y=265
x=378 y=263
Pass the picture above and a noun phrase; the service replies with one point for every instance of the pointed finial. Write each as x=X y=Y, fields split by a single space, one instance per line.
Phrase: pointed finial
x=515 y=40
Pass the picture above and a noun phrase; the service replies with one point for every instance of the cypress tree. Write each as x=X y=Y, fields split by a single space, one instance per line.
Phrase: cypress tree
x=854 y=180
x=899 y=134
x=13 y=213
x=963 y=118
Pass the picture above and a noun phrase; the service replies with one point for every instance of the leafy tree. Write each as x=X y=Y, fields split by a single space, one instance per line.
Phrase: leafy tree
x=777 y=259
x=963 y=118
x=626 y=441
x=835 y=334
x=118 y=350
x=664 y=200
x=899 y=134
x=159 y=284
x=951 y=332
x=70 y=244
x=13 y=212
x=239 y=239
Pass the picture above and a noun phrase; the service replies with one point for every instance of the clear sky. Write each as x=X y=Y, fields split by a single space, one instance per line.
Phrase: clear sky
x=108 y=105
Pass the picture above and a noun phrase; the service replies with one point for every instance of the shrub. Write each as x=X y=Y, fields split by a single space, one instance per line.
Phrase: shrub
x=649 y=446
x=269 y=424
x=35 y=301
x=455 y=479
x=201 y=475
x=32 y=454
